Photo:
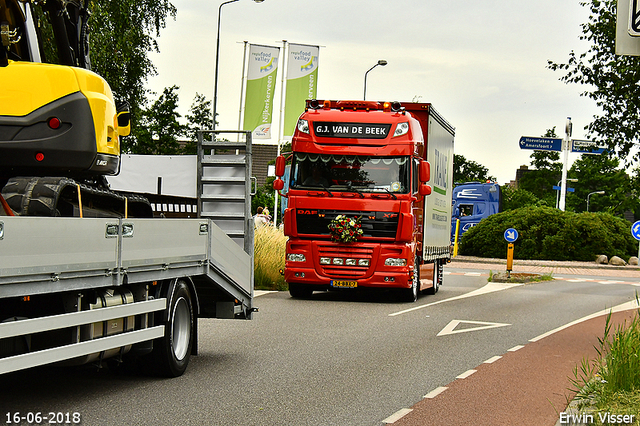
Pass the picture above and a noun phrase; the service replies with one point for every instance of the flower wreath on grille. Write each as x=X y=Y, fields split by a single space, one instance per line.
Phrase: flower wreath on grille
x=345 y=230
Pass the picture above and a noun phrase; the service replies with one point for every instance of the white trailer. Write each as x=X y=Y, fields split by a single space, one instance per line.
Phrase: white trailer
x=84 y=290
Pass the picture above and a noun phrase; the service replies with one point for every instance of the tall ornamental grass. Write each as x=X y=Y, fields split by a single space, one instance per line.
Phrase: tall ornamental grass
x=269 y=252
x=611 y=382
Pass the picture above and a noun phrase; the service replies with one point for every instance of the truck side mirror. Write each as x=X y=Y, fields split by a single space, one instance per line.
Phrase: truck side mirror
x=424 y=189
x=280 y=163
x=424 y=172
x=278 y=184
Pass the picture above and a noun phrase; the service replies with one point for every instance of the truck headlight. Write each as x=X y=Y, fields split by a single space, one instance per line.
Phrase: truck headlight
x=394 y=261
x=401 y=129
x=296 y=257
x=363 y=262
x=303 y=126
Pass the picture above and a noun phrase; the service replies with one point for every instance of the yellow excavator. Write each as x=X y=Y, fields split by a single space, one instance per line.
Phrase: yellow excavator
x=60 y=128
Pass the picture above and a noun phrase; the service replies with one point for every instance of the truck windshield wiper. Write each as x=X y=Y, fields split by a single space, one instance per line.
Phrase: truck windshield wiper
x=390 y=193
x=327 y=189
x=350 y=188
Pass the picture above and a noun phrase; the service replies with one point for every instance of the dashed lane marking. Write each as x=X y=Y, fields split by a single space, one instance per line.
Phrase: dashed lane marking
x=515 y=348
x=435 y=392
x=397 y=415
x=492 y=359
x=466 y=374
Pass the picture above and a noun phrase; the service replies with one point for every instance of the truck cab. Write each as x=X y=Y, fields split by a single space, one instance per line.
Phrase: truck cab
x=472 y=202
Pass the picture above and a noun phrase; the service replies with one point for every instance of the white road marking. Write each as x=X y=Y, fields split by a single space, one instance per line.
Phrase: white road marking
x=466 y=374
x=492 y=359
x=435 y=392
x=397 y=415
x=257 y=293
x=489 y=288
x=450 y=328
x=473 y=274
x=633 y=304
x=515 y=348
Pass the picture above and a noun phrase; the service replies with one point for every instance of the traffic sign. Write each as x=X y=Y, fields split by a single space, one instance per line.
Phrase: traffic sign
x=587 y=147
x=541 y=144
x=635 y=230
x=511 y=235
x=557 y=188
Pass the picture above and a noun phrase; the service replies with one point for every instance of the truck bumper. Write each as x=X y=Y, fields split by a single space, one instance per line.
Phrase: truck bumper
x=322 y=263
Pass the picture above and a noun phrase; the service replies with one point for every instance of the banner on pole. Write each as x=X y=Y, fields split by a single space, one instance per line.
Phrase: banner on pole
x=302 y=82
x=261 y=82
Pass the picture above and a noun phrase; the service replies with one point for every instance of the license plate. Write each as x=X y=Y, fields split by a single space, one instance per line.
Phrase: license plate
x=344 y=284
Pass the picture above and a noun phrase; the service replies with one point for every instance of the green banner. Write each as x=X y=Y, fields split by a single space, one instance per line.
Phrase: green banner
x=302 y=83
x=261 y=83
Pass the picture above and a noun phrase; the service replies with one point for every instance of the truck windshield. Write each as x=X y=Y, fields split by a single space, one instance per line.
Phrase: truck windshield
x=351 y=173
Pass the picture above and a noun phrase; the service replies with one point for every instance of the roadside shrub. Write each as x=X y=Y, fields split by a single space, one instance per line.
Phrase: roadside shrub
x=269 y=253
x=548 y=233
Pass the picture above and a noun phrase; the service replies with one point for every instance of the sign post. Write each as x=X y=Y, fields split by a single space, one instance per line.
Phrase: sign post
x=511 y=235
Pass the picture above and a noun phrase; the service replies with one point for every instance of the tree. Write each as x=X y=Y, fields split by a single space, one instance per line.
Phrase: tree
x=517 y=198
x=601 y=173
x=160 y=127
x=469 y=171
x=611 y=80
x=199 y=118
x=123 y=33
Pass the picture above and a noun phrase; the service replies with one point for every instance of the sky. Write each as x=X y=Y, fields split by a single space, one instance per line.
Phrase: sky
x=481 y=63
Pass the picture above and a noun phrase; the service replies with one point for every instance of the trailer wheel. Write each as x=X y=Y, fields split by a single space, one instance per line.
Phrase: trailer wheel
x=172 y=351
x=411 y=294
x=437 y=277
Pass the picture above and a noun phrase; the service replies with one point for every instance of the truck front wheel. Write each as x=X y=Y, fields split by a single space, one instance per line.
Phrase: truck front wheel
x=300 y=291
x=172 y=351
x=411 y=294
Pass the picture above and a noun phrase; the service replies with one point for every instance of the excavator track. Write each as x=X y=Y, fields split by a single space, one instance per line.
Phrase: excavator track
x=65 y=197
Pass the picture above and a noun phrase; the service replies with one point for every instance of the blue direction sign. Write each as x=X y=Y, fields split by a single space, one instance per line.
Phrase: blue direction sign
x=587 y=147
x=541 y=144
x=558 y=188
x=635 y=230
x=511 y=235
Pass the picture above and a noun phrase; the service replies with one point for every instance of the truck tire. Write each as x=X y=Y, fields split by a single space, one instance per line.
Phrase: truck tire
x=300 y=291
x=410 y=294
x=171 y=352
x=437 y=278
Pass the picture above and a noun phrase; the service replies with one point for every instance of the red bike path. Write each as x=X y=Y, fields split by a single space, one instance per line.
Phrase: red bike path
x=526 y=386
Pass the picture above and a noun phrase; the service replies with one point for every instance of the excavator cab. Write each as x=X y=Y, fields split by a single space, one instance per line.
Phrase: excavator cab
x=57 y=118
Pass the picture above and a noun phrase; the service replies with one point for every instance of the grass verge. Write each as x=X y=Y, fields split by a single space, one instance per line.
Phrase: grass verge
x=610 y=383
x=269 y=252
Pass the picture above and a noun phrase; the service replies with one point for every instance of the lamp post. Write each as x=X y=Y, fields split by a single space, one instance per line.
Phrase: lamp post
x=215 y=79
x=591 y=193
x=558 y=195
x=381 y=62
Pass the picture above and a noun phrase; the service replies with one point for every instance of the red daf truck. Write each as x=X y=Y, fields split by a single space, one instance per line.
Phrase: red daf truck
x=369 y=199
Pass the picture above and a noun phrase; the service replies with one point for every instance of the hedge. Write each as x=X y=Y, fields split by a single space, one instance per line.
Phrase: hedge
x=550 y=234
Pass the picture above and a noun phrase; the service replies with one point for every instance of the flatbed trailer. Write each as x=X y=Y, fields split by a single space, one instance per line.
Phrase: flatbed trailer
x=84 y=290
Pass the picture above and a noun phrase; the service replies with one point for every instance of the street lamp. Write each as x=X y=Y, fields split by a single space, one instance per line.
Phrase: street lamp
x=558 y=195
x=215 y=79
x=380 y=62
x=591 y=193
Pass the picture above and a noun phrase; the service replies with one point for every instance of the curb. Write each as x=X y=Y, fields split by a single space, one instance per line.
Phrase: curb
x=547 y=263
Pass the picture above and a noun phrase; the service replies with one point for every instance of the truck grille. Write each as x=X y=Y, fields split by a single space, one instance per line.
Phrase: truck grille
x=344 y=271
x=374 y=224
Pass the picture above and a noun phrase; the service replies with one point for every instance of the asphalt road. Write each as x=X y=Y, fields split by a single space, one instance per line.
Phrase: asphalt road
x=337 y=359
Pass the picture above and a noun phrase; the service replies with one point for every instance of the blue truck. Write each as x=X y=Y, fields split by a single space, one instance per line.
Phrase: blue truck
x=472 y=202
